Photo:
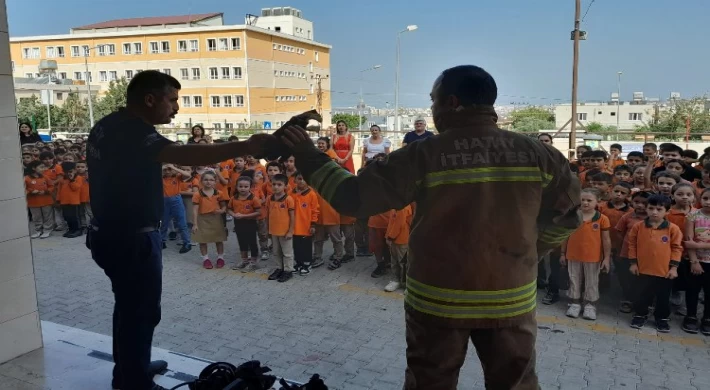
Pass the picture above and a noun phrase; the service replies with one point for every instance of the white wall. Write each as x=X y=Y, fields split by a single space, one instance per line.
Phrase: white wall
x=19 y=319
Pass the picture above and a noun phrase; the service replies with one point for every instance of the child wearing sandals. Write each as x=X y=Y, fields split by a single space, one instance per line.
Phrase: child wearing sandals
x=209 y=206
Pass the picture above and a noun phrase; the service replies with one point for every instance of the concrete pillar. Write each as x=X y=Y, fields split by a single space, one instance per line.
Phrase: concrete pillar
x=19 y=319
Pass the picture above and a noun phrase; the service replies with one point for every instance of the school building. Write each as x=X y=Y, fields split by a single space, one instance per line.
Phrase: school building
x=257 y=74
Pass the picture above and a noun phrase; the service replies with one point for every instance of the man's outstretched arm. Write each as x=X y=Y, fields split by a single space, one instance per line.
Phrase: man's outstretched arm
x=382 y=186
x=207 y=154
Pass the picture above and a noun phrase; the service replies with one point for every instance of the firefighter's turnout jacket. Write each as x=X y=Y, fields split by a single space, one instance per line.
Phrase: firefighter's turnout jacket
x=489 y=203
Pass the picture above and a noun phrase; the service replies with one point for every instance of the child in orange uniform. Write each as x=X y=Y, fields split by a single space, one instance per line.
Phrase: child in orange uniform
x=282 y=222
x=587 y=252
x=85 y=213
x=328 y=226
x=397 y=236
x=655 y=250
x=239 y=167
x=255 y=165
x=39 y=200
x=623 y=227
x=53 y=172
x=306 y=214
x=290 y=172
x=69 y=197
x=209 y=207
x=245 y=208
x=603 y=182
x=378 y=244
x=188 y=186
x=324 y=146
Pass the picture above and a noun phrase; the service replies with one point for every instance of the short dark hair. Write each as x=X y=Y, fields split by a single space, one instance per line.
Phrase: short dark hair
x=641 y=194
x=31 y=166
x=326 y=140
x=149 y=82
x=574 y=168
x=668 y=175
x=690 y=154
x=624 y=184
x=68 y=166
x=281 y=178
x=603 y=176
x=548 y=135
x=660 y=200
x=470 y=84
x=46 y=155
x=591 y=173
x=676 y=160
x=671 y=148
x=60 y=151
x=600 y=153
x=616 y=146
x=585 y=147
x=274 y=164
x=635 y=154
x=706 y=167
x=586 y=154
x=297 y=173
x=681 y=185
x=233 y=138
x=247 y=173
x=650 y=145
x=245 y=178
x=623 y=167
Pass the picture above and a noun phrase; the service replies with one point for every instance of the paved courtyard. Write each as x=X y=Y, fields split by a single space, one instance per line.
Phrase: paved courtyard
x=340 y=324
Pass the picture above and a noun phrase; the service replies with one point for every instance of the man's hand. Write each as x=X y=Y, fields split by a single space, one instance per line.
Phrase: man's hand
x=294 y=136
x=261 y=144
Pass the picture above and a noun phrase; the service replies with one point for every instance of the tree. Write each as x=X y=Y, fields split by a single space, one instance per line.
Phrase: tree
x=681 y=113
x=598 y=128
x=532 y=119
x=75 y=112
x=349 y=119
x=112 y=100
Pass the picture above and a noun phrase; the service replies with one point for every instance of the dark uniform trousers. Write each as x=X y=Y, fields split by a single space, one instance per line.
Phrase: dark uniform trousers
x=435 y=356
x=133 y=263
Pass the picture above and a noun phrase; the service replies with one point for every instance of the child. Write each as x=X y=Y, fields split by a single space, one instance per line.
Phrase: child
x=262 y=221
x=690 y=156
x=702 y=184
x=596 y=160
x=639 y=178
x=397 y=236
x=209 y=207
x=281 y=226
x=85 y=213
x=627 y=221
x=378 y=243
x=623 y=173
x=615 y=209
x=587 y=252
x=634 y=159
x=245 y=208
x=665 y=182
x=69 y=197
x=615 y=160
x=306 y=214
x=290 y=171
x=27 y=158
x=328 y=226
x=239 y=167
x=273 y=168
x=603 y=183
x=324 y=146
x=173 y=206
x=39 y=200
x=188 y=186
x=650 y=152
x=580 y=163
x=255 y=165
x=655 y=249
x=54 y=174
x=697 y=232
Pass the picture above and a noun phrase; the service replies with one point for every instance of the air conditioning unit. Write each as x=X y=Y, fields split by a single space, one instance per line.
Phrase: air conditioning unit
x=638 y=96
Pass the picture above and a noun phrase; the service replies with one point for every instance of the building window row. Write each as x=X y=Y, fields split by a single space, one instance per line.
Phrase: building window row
x=291 y=98
x=192 y=101
x=214 y=73
x=285 y=73
x=223 y=44
x=226 y=101
x=289 y=49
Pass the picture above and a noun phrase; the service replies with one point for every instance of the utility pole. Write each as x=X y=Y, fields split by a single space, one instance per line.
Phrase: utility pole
x=575 y=68
x=319 y=101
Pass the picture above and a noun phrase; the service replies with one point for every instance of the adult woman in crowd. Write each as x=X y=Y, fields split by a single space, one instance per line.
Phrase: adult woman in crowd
x=375 y=144
x=198 y=133
x=344 y=145
x=27 y=134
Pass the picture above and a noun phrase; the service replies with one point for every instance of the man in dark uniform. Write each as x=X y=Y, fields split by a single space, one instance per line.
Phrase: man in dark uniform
x=124 y=155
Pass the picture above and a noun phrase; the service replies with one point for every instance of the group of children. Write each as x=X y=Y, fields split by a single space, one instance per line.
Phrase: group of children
x=57 y=187
x=649 y=216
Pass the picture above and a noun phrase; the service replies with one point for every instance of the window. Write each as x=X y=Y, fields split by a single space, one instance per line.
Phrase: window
x=60 y=96
x=103 y=76
x=277 y=29
x=112 y=75
x=211 y=44
x=281 y=73
x=77 y=76
x=29 y=75
x=236 y=43
x=278 y=98
x=129 y=74
x=228 y=126
x=195 y=73
x=311 y=89
x=63 y=75
x=316 y=55
x=137 y=48
x=217 y=126
x=276 y=73
x=30 y=52
x=225 y=72
x=36 y=75
x=275 y=46
x=186 y=101
x=127 y=48
x=635 y=116
x=75 y=51
x=613 y=113
x=51 y=52
x=194 y=45
x=227 y=100
x=223 y=44
x=102 y=50
x=582 y=116
x=165 y=46
x=197 y=101
x=238 y=100
x=166 y=71
x=184 y=74
x=214 y=75
x=154 y=48
x=310 y=67
x=280 y=47
x=85 y=50
x=214 y=101
x=182 y=46
x=111 y=49
x=60 y=51
x=237 y=72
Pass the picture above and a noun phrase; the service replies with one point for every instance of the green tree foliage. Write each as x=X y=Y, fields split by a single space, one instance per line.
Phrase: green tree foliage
x=598 y=128
x=114 y=98
x=349 y=119
x=674 y=118
x=532 y=119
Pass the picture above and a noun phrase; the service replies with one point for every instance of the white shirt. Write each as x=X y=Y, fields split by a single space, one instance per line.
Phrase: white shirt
x=374 y=149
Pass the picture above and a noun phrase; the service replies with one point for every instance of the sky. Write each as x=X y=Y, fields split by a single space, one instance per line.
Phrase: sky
x=660 y=47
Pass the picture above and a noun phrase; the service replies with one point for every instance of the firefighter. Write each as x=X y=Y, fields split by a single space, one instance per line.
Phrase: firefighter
x=490 y=203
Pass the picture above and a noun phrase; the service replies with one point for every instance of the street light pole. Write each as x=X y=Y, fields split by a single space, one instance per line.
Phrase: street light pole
x=396 y=84
x=362 y=102
x=618 y=100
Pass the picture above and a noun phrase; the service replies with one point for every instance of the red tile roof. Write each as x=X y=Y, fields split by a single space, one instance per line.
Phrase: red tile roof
x=150 y=21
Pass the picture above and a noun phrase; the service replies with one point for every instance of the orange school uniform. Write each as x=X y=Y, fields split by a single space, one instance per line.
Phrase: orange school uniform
x=328 y=216
x=614 y=215
x=227 y=167
x=188 y=185
x=171 y=186
x=655 y=249
x=331 y=153
x=233 y=177
x=248 y=205
x=70 y=191
x=380 y=221
x=259 y=194
x=623 y=228
x=307 y=210
x=585 y=244
x=399 y=225
x=258 y=167
x=583 y=176
x=678 y=218
x=208 y=204
x=38 y=184
x=617 y=162
x=279 y=217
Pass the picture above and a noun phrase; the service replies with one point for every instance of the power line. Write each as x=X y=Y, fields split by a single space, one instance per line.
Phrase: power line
x=587 y=11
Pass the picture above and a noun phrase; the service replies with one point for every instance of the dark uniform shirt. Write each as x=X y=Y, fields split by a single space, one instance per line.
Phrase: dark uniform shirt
x=412 y=136
x=126 y=178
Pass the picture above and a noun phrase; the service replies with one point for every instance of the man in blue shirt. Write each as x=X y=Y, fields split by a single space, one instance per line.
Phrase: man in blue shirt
x=420 y=132
x=124 y=155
